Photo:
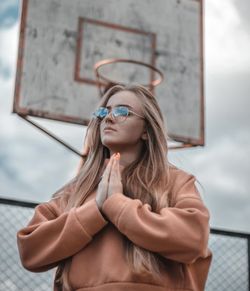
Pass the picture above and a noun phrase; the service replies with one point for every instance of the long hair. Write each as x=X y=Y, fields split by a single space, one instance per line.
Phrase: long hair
x=147 y=178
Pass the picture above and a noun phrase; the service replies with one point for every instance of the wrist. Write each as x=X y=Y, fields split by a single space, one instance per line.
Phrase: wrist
x=100 y=209
x=99 y=205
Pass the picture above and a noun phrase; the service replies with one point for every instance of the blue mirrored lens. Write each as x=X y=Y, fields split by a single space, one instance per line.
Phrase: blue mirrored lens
x=101 y=112
x=120 y=111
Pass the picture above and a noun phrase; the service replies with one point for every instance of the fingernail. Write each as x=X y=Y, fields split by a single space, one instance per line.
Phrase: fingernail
x=117 y=156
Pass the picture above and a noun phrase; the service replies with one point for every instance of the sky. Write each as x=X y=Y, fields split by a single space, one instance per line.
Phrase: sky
x=33 y=166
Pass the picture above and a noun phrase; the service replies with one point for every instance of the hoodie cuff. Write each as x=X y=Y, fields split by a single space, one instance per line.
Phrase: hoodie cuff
x=114 y=205
x=90 y=217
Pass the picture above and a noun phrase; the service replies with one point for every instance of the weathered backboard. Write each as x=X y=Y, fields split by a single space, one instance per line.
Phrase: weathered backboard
x=61 y=40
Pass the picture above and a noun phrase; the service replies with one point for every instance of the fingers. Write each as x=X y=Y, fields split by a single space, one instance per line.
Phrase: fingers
x=106 y=174
x=110 y=182
x=102 y=190
x=115 y=185
x=115 y=168
x=118 y=168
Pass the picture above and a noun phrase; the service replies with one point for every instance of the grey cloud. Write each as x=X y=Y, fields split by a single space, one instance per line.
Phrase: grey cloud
x=8 y=12
x=5 y=70
x=227 y=211
x=223 y=191
x=228 y=103
x=222 y=167
x=33 y=169
x=32 y=165
x=243 y=9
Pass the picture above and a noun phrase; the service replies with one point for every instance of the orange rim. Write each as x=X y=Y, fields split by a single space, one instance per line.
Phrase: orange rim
x=104 y=62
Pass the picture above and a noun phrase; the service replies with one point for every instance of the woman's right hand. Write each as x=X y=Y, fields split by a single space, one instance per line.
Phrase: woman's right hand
x=102 y=190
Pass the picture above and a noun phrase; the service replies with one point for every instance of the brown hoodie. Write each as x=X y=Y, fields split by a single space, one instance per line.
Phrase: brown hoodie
x=95 y=242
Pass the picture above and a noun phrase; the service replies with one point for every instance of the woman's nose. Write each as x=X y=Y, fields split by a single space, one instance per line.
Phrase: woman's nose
x=109 y=117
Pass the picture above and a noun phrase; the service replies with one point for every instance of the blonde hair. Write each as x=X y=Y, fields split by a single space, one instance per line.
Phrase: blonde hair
x=147 y=178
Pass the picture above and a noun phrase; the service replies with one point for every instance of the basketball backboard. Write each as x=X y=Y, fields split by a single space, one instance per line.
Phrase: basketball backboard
x=61 y=41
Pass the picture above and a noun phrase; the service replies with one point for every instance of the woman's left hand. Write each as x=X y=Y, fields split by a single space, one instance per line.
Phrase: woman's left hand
x=115 y=183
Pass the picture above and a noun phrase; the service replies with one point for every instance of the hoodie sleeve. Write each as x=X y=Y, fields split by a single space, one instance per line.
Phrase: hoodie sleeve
x=178 y=233
x=53 y=235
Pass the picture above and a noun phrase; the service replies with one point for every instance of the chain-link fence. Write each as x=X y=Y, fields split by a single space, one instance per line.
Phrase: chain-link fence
x=229 y=270
x=230 y=265
x=13 y=277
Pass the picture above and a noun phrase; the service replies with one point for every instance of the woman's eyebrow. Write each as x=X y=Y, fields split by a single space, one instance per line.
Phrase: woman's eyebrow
x=120 y=105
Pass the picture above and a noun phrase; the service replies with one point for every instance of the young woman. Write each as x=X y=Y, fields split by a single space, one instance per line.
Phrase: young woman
x=129 y=220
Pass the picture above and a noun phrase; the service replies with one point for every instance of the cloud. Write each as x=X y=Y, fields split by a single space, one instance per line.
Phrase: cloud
x=32 y=168
x=222 y=164
x=227 y=158
x=243 y=9
x=5 y=70
x=8 y=51
x=227 y=39
x=8 y=12
x=223 y=170
x=227 y=104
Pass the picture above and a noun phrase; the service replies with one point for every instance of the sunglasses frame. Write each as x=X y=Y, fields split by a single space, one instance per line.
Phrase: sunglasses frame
x=112 y=113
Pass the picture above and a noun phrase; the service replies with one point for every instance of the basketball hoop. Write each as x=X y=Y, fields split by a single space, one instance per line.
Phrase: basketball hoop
x=106 y=82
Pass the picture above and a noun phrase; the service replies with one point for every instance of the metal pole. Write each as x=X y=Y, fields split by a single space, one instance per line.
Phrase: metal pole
x=52 y=135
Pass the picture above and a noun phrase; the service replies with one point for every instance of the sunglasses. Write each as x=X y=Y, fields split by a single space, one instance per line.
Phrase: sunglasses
x=118 y=113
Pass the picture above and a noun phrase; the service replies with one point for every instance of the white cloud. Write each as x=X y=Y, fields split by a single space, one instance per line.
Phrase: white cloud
x=223 y=170
x=227 y=40
x=5 y=4
x=223 y=164
x=8 y=49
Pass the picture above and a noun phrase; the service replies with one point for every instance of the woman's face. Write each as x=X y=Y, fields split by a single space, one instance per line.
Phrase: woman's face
x=129 y=133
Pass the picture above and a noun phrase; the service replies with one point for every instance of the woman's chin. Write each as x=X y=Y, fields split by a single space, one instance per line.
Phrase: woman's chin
x=111 y=144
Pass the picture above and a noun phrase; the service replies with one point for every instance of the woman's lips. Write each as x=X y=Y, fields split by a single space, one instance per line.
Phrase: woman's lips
x=108 y=129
